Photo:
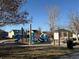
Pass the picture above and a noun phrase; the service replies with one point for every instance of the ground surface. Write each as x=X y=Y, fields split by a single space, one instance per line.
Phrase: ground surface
x=37 y=52
x=10 y=50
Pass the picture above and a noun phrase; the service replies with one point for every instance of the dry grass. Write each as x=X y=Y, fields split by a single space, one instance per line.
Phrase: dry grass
x=34 y=52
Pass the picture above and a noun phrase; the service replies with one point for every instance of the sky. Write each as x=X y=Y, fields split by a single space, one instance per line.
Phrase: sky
x=37 y=9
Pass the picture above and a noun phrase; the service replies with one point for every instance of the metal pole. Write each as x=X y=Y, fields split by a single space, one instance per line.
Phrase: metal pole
x=30 y=34
x=22 y=33
x=59 y=38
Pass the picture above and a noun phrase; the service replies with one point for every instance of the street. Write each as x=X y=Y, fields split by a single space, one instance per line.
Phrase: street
x=71 y=56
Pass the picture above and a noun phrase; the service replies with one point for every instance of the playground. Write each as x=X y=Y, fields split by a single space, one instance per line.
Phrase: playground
x=33 y=38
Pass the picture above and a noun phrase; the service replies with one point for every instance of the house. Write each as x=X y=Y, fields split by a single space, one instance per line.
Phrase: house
x=14 y=32
x=62 y=33
x=3 y=34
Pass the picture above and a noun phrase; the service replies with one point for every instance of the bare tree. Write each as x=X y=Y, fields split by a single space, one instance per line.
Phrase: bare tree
x=74 y=23
x=52 y=17
x=9 y=12
x=11 y=5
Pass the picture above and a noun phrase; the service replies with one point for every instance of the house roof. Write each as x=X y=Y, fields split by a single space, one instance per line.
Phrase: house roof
x=16 y=30
x=35 y=30
x=62 y=30
x=2 y=31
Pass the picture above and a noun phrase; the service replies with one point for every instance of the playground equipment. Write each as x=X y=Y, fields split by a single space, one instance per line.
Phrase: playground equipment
x=34 y=37
x=39 y=38
x=17 y=37
x=44 y=37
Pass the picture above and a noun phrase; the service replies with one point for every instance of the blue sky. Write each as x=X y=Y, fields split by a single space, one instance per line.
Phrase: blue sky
x=37 y=9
